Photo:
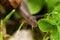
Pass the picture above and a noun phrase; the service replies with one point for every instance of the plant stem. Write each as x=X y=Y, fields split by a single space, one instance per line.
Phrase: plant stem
x=1 y=30
x=46 y=37
x=21 y=25
x=8 y=16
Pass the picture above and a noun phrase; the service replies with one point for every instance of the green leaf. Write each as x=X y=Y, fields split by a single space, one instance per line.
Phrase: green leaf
x=8 y=16
x=1 y=29
x=51 y=4
x=35 y=5
x=55 y=15
x=51 y=23
x=1 y=35
x=44 y=25
x=57 y=9
x=55 y=35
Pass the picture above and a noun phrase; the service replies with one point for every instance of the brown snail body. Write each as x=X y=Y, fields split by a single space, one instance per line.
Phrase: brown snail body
x=21 y=8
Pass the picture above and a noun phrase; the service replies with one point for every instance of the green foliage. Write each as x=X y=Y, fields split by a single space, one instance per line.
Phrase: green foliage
x=45 y=25
x=55 y=35
x=1 y=35
x=21 y=25
x=51 y=4
x=2 y=25
x=8 y=16
x=51 y=23
x=35 y=5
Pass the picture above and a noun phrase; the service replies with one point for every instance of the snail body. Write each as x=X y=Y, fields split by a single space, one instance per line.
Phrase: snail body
x=21 y=8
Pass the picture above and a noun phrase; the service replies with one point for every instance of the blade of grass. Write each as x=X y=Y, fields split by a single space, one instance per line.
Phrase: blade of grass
x=21 y=25
x=1 y=30
x=1 y=35
x=9 y=15
x=46 y=37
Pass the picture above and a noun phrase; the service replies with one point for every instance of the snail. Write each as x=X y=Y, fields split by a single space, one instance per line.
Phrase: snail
x=21 y=7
